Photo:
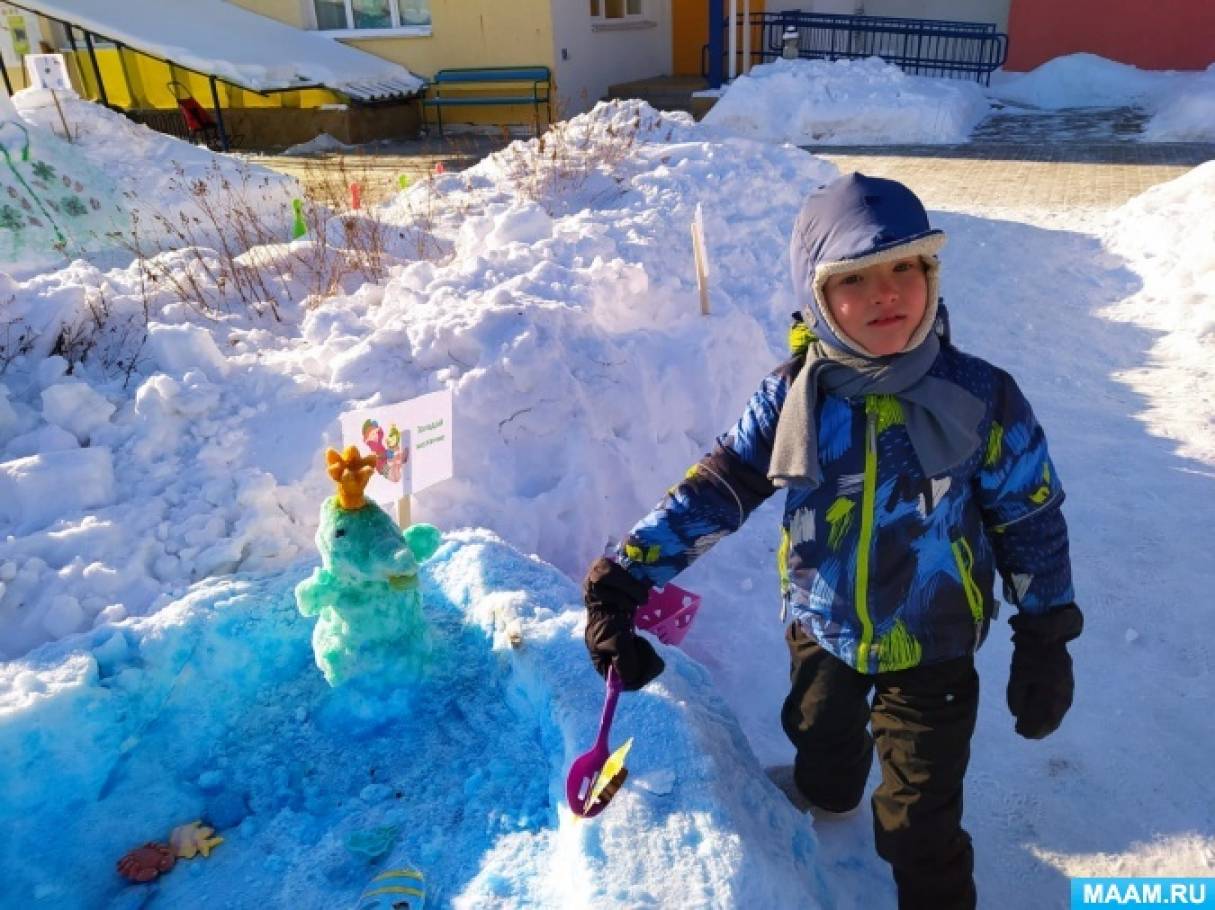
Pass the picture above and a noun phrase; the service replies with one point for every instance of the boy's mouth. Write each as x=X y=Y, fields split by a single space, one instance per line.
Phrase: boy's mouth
x=882 y=321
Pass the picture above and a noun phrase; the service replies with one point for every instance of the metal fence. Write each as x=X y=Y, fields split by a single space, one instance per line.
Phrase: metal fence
x=925 y=47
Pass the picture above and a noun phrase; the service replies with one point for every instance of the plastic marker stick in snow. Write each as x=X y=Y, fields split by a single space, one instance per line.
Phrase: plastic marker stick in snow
x=299 y=227
x=403 y=182
x=596 y=776
x=356 y=196
x=701 y=258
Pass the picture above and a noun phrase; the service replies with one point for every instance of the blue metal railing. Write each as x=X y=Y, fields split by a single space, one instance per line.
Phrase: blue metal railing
x=924 y=47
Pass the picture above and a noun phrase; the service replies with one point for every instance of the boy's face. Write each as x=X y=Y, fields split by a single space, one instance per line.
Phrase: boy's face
x=881 y=306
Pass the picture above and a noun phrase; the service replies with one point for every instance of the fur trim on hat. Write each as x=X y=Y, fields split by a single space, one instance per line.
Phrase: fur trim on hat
x=925 y=247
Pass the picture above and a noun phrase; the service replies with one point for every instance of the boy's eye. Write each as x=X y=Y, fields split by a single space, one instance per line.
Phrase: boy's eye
x=902 y=266
x=851 y=279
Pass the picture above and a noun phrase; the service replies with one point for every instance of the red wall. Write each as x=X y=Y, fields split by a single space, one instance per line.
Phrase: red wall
x=1150 y=34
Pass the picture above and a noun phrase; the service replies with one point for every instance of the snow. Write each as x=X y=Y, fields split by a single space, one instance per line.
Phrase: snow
x=40 y=489
x=77 y=408
x=1082 y=80
x=1182 y=104
x=319 y=144
x=180 y=349
x=1185 y=112
x=146 y=733
x=239 y=46
x=157 y=508
x=142 y=188
x=871 y=102
x=848 y=102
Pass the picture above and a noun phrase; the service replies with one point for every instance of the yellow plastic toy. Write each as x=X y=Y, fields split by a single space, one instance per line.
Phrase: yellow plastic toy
x=188 y=841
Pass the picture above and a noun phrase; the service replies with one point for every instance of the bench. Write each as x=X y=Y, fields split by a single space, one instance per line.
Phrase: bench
x=491 y=85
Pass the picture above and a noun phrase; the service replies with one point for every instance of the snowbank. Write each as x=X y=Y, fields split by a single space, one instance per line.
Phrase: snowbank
x=213 y=708
x=551 y=287
x=317 y=145
x=1155 y=233
x=853 y=102
x=1182 y=104
x=1081 y=80
x=91 y=187
x=1185 y=112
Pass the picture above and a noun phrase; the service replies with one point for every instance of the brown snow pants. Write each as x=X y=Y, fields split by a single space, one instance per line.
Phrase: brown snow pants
x=922 y=721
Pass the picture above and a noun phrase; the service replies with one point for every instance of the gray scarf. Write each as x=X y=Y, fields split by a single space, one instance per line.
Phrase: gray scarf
x=942 y=418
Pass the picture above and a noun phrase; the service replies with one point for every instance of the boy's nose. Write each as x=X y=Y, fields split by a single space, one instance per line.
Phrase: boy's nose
x=885 y=290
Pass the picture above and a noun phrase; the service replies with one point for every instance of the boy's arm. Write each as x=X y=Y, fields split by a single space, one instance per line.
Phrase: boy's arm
x=714 y=498
x=1020 y=496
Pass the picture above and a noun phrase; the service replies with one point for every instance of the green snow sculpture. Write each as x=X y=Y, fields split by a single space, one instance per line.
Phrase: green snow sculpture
x=365 y=593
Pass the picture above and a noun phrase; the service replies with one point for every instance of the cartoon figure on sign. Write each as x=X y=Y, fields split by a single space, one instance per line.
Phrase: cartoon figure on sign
x=373 y=438
x=397 y=454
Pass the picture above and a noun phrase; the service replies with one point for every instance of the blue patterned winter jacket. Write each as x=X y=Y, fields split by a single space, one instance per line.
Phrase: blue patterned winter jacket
x=885 y=567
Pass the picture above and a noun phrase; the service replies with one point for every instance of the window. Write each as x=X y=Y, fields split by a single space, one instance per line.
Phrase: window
x=615 y=9
x=347 y=15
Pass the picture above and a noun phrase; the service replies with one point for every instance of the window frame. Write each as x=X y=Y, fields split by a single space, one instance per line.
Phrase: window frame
x=601 y=17
x=396 y=30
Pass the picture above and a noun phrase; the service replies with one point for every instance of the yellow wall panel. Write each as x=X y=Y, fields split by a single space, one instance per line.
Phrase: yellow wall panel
x=288 y=11
x=135 y=80
x=470 y=33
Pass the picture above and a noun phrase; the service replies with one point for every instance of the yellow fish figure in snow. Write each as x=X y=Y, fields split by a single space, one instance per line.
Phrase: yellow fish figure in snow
x=395 y=889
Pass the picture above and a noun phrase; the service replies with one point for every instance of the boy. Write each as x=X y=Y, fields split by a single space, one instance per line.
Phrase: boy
x=913 y=471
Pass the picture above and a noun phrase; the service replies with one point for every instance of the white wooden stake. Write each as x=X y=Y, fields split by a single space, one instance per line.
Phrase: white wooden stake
x=67 y=133
x=746 y=40
x=733 y=38
x=701 y=258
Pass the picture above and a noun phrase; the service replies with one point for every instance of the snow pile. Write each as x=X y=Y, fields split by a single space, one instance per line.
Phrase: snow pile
x=551 y=288
x=112 y=181
x=853 y=102
x=318 y=145
x=1182 y=104
x=214 y=709
x=1084 y=80
x=1186 y=111
x=55 y=201
x=1155 y=232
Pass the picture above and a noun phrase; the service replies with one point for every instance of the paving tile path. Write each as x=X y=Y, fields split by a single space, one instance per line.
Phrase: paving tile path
x=1033 y=159
x=1016 y=159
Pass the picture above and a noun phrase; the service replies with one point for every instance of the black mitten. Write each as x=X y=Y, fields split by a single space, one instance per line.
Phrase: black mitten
x=612 y=597
x=1040 y=683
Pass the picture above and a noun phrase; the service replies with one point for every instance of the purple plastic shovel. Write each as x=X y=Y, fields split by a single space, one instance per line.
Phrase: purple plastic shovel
x=587 y=795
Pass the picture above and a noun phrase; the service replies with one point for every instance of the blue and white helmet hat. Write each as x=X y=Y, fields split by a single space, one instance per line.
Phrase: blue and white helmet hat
x=852 y=223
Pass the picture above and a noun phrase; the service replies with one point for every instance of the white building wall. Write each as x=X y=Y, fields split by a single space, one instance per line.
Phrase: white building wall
x=962 y=10
x=591 y=54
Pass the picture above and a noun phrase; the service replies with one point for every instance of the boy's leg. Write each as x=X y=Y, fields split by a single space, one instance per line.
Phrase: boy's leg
x=923 y=719
x=825 y=716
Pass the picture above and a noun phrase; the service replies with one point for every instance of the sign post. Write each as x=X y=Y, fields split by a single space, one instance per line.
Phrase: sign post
x=412 y=442
x=701 y=258
x=49 y=71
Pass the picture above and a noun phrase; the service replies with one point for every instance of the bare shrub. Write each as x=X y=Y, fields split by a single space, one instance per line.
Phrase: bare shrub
x=562 y=161
x=16 y=335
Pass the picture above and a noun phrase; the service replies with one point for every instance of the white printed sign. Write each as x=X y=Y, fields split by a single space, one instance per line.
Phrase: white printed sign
x=48 y=71
x=411 y=441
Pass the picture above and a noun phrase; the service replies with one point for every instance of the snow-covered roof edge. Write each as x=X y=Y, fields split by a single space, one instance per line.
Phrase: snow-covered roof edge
x=233 y=44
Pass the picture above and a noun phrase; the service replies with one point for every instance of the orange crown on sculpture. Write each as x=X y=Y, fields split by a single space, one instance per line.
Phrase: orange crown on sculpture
x=351 y=472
